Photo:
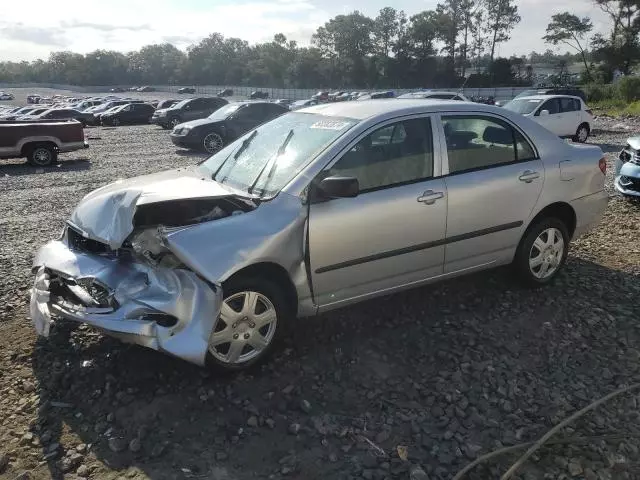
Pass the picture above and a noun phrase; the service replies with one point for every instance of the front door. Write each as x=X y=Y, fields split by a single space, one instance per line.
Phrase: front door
x=392 y=233
x=553 y=121
x=494 y=178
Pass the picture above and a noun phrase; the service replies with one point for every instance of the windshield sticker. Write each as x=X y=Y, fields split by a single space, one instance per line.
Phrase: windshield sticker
x=330 y=125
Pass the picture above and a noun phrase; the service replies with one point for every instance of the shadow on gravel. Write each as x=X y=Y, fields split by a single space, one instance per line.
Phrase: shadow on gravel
x=17 y=169
x=191 y=153
x=453 y=367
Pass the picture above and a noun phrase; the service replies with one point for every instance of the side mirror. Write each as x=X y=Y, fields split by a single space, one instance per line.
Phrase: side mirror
x=339 y=187
x=544 y=113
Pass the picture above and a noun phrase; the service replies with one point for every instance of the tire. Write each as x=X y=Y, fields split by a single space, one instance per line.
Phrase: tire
x=42 y=155
x=173 y=122
x=582 y=133
x=240 y=329
x=535 y=243
x=212 y=142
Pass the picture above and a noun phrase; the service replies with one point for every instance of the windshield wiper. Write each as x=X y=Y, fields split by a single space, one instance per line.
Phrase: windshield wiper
x=272 y=162
x=242 y=148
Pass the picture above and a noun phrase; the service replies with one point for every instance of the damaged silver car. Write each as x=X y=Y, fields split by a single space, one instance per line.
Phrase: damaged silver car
x=320 y=208
x=627 y=173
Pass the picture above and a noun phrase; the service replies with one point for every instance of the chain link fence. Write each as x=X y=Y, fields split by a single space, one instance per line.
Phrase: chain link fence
x=239 y=92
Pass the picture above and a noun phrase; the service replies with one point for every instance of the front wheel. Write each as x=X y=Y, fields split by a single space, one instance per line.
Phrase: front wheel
x=250 y=324
x=582 y=133
x=212 y=142
x=542 y=252
x=174 y=122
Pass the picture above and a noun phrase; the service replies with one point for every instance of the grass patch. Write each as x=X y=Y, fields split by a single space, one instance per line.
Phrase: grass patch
x=615 y=107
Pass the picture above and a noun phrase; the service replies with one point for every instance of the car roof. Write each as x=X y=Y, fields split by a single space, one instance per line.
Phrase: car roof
x=400 y=106
x=547 y=97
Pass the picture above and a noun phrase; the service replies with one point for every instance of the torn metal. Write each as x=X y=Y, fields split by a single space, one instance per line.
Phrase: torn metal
x=172 y=310
x=143 y=260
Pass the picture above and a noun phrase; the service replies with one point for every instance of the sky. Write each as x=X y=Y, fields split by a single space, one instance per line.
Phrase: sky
x=32 y=29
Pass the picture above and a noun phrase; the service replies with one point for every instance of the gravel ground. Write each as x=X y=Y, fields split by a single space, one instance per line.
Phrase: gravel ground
x=451 y=371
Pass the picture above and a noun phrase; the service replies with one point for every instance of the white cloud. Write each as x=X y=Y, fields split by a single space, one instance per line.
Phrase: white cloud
x=129 y=24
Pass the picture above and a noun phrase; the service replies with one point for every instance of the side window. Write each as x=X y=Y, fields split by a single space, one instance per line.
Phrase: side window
x=577 y=106
x=551 y=105
x=475 y=142
x=524 y=151
x=441 y=96
x=194 y=104
x=386 y=157
x=566 y=104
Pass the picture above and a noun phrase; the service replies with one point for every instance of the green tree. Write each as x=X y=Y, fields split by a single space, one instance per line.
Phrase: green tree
x=501 y=17
x=569 y=29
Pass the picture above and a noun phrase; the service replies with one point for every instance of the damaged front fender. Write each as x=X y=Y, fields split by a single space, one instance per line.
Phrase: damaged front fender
x=170 y=310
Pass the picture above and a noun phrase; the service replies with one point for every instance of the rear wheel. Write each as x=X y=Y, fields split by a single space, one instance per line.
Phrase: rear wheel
x=212 y=142
x=174 y=122
x=42 y=155
x=251 y=322
x=582 y=133
x=542 y=252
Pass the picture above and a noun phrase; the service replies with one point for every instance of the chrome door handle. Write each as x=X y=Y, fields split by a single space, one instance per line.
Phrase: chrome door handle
x=528 y=176
x=429 y=197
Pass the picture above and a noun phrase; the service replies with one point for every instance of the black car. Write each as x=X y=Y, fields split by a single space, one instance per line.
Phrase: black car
x=189 y=109
x=258 y=95
x=129 y=114
x=97 y=114
x=187 y=90
x=225 y=125
x=227 y=92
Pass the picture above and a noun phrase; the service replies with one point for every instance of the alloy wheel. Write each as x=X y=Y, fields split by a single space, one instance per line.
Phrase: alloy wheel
x=212 y=142
x=174 y=122
x=546 y=253
x=245 y=328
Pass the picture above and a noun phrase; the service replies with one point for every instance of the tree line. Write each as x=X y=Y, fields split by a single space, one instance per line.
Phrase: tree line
x=453 y=45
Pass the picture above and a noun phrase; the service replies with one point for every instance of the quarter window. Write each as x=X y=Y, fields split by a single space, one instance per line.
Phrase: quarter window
x=395 y=154
x=567 y=105
x=475 y=142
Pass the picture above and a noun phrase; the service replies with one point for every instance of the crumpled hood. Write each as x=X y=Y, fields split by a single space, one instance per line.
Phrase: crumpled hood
x=106 y=214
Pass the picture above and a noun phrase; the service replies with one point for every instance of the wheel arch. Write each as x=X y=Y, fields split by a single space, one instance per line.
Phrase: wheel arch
x=273 y=272
x=560 y=210
x=31 y=144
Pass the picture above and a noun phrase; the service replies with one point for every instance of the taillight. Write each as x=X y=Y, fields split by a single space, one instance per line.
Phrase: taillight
x=602 y=164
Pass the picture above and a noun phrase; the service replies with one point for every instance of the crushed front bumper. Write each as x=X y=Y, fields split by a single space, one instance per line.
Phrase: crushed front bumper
x=170 y=310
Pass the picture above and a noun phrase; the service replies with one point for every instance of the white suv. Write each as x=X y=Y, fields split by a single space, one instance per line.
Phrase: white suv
x=564 y=115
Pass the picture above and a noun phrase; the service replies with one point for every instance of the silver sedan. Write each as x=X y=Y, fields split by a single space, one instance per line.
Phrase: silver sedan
x=318 y=209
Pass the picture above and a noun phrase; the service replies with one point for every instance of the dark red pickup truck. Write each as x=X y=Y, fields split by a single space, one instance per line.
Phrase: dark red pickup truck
x=40 y=142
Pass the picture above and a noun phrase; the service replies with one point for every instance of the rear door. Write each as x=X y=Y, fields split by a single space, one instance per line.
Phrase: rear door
x=493 y=180
x=570 y=115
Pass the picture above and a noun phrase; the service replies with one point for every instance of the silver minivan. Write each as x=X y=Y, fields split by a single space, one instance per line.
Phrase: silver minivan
x=320 y=208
